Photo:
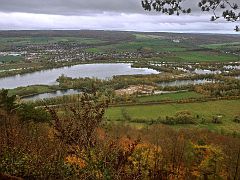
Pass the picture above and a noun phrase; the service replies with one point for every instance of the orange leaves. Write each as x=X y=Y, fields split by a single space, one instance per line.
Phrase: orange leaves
x=100 y=134
x=208 y=160
x=142 y=158
x=126 y=144
x=76 y=161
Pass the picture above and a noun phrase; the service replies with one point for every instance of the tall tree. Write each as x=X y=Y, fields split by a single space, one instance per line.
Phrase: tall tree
x=7 y=103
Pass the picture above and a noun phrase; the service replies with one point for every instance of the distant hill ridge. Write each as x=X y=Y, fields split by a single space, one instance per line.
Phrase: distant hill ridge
x=119 y=36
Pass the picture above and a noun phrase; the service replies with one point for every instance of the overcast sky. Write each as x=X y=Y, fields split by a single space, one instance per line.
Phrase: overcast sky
x=104 y=15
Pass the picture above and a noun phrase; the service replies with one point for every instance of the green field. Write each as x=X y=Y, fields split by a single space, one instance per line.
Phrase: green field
x=30 y=90
x=146 y=42
x=196 y=56
x=156 y=45
x=21 y=41
x=172 y=96
x=179 y=52
x=224 y=46
x=228 y=109
x=147 y=36
x=7 y=59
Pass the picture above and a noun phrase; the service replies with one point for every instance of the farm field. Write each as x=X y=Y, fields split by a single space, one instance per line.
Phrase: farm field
x=20 y=41
x=155 y=45
x=10 y=59
x=205 y=56
x=228 y=109
x=228 y=46
x=183 y=51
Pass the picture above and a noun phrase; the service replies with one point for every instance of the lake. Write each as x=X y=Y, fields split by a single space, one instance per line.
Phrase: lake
x=48 y=77
x=52 y=94
x=206 y=71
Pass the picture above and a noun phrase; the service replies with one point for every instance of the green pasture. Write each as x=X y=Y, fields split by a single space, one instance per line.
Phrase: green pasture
x=206 y=56
x=21 y=41
x=228 y=109
x=35 y=89
x=150 y=45
x=7 y=59
x=224 y=46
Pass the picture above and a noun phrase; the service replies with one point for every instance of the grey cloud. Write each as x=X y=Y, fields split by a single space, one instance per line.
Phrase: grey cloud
x=102 y=14
x=130 y=22
x=78 y=7
x=70 y=7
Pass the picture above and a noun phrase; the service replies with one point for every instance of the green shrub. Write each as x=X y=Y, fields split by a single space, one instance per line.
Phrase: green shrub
x=236 y=119
x=217 y=119
x=28 y=112
x=181 y=117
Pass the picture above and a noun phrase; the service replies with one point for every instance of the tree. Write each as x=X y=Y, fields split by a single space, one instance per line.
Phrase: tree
x=28 y=112
x=228 y=8
x=7 y=103
x=78 y=127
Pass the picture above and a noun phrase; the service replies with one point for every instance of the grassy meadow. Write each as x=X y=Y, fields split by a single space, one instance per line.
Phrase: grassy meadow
x=184 y=51
x=228 y=109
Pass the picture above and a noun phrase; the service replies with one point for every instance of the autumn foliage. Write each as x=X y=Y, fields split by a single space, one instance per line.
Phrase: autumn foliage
x=77 y=144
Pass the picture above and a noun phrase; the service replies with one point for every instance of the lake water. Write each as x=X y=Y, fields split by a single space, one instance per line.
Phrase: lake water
x=52 y=94
x=185 y=82
x=48 y=77
x=206 y=71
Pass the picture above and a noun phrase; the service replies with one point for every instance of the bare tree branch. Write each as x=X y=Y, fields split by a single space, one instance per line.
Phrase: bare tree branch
x=228 y=9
